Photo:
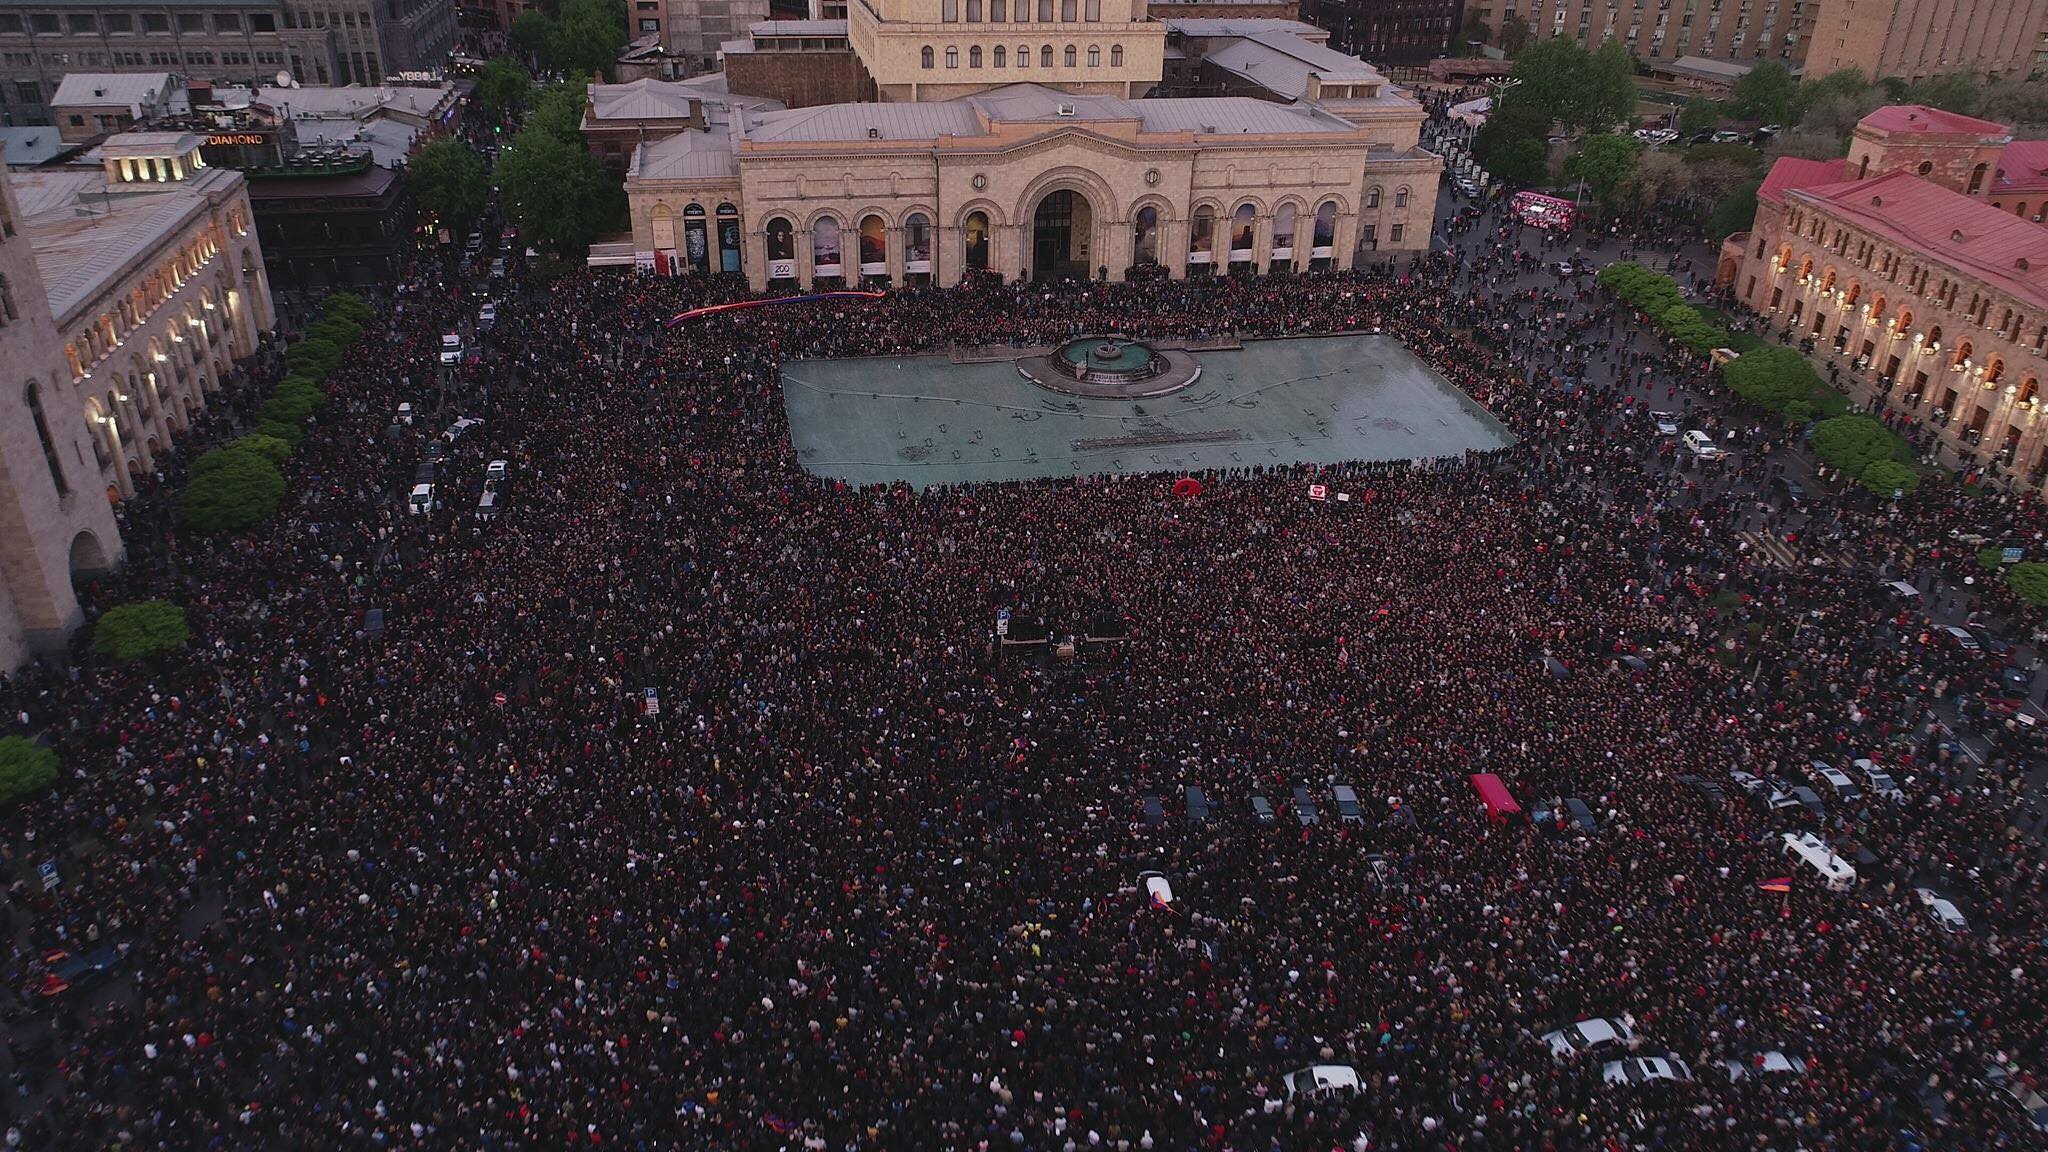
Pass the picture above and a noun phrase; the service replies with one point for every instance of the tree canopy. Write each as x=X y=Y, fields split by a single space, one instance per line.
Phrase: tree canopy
x=555 y=191
x=450 y=184
x=242 y=491
x=503 y=86
x=141 y=630
x=1605 y=163
x=26 y=768
x=1766 y=93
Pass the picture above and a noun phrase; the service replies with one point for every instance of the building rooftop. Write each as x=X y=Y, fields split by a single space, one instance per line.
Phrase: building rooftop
x=1792 y=172
x=1205 y=28
x=1282 y=63
x=642 y=100
x=1921 y=118
x=1706 y=68
x=2022 y=167
x=887 y=122
x=27 y=147
x=150 y=144
x=1238 y=116
x=368 y=182
x=1010 y=104
x=686 y=156
x=1962 y=231
x=86 y=234
x=111 y=89
x=820 y=28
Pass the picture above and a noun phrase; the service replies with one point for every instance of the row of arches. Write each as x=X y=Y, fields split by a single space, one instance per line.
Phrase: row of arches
x=999 y=56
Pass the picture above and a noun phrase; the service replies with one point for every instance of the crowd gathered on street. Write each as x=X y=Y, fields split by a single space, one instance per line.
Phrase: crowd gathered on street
x=867 y=877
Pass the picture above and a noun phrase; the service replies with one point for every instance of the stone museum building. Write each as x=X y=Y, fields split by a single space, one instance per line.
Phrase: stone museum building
x=1919 y=267
x=1023 y=138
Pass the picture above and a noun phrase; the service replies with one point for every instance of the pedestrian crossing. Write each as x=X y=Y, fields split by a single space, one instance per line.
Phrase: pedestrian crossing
x=1774 y=551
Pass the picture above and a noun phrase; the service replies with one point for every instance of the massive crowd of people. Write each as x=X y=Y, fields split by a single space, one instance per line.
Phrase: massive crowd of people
x=869 y=880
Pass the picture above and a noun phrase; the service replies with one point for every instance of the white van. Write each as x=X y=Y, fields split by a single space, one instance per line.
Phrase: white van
x=1834 y=871
x=1322 y=1080
x=1880 y=781
x=451 y=348
x=495 y=470
x=422 y=501
x=487 y=506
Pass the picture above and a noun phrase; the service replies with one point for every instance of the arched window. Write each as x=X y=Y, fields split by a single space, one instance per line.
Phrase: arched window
x=1372 y=197
x=1145 y=236
x=917 y=244
x=781 y=249
x=1977 y=178
x=1995 y=371
x=974 y=237
x=825 y=257
x=1863 y=168
x=974 y=56
x=952 y=57
x=1094 y=56
x=1283 y=233
x=874 y=246
x=1116 y=55
x=1023 y=55
x=1202 y=235
x=1045 y=56
x=1243 y=227
x=1400 y=197
x=927 y=56
x=1325 y=234
x=998 y=55
x=2029 y=388
x=2020 y=209
x=31 y=396
x=950 y=11
x=1072 y=56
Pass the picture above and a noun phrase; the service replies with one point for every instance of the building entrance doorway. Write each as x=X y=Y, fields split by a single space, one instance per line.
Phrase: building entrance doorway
x=1061 y=231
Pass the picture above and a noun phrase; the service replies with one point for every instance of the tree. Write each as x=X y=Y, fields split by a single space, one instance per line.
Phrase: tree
x=554 y=191
x=1772 y=379
x=1475 y=32
x=141 y=630
x=1512 y=143
x=349 y=306
x=1765 y=93
x=1514 y=34
x=1606 y=96
x=1885 y=477
x=2020 y=103
x=503 y=86
x=1955 y=92
x=2029 y=581
x=449 y=181
x=532 y=32
x=268 y=447
x=239 y=493
x=588 y=36
x=1734 y=212
x=1523 y=161
x=26 y=768
x=1851 y=442
x=1659 y=176
x=1698 y=115
x=1549 y=75
x=1836 y=85
x=1604 y=163
x=314 y=358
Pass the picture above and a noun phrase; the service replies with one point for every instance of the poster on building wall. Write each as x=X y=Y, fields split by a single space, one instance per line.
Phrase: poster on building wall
x=825 y=248
x=729 y=245
x=874 y=247
x=1202 y=238
x=697 y=245
x=917 y=245
x=781 y=249
x=643 y=261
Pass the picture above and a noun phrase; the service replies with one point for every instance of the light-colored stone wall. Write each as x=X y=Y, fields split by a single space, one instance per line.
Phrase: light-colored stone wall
x=892 y=45
x=1945 y=338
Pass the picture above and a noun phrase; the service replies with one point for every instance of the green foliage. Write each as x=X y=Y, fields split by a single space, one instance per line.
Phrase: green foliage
x=1885 y=477
x=448 y=179
x=1606 y=96
x=1766 y=94
x=1698 y=115
x=1852 y=442
x=26 y=768
x=337 y=330
x=240 y=492
x=1991 y=558
x=2029 y=581
x=1514 y=34
x=299 y=386
x=1604 y=163
x=141 y=630
x=1548 y=76
x=558 y=111
x=1844 y=82
x=285 y=408
x=531 y=31
x=1511 y=144
x=1474 y=32
x=1658 y=297
x=268 y=447
x=348 y=306
x=503 y=86
x=588 y=36
x=1735 y=211
x=314 y=358
x=1955 y=92
x=291 y=434
x=1771 y=379
x=555 y=191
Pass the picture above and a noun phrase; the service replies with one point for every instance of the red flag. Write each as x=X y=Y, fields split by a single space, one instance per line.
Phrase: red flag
x=1782 y=884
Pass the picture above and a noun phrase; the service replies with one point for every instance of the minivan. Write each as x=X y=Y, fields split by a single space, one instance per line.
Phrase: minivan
x=1262 y=811
x=1348 y=809
x=496 y=470
x=422 y=501
x=487 y=506
x=1198 y=806
x=1304 y=807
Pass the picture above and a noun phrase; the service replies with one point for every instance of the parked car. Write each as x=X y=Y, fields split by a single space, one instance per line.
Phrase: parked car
x=1706 y=788
x=1793 y=491
x=1765 y=1064
x=1960 y=639
x=451 y=348
x=1198 y=806
x=1880 y=782
x=1152 y=810
x=1586 y=1035
x=1262 y=811
x=1988 y=640
x=1348 y=809
x=422 y=500
x=1702 y=445
x=1645 y=1070
x=496 y=470
x=1305 y=808
x=1752 y=786
x=1942 y=911
x=66 y=973
x=1667 y=423
x=2006 y=1080
x=1322 y=1080
x=1836 y=781
x=486 y=316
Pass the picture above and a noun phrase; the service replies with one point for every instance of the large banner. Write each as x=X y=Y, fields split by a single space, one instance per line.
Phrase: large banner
x=697 y=245
x=729 y=245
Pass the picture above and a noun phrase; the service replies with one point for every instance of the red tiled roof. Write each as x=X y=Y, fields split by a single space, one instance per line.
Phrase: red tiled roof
x=1791 y=172
x=1961 y=231
x=2023 y=167
x=1921 y=118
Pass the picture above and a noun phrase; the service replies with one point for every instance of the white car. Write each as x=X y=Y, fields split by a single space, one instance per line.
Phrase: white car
x=1667 y=423
x=405 y=413
x=1702 y=445
x=422 y=500
x=1765 y=1064
x=1837 y=781
x=1645 y=1070
x=1322 y=1080
x=1942 y=911
x=1880 y=781
x=1587 y=1035
x=495 y=471
x=451 y=348
x=460 y=428
x=487 y=316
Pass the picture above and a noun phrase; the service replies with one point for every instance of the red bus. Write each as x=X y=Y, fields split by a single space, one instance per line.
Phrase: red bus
x=1543 y=211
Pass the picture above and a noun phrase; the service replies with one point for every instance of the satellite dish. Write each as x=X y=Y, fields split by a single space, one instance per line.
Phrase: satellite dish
x=284 y=79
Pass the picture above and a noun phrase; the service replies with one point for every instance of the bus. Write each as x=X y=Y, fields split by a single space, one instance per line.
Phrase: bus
x=1543 y=211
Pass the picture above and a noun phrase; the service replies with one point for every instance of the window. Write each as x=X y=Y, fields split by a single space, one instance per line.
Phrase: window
x=1372 y=198
x=653 y=25
x=118 y=22
x=227 y=22
x=1045 y=56
x=262 y=22
x=1145 y=236
x=29 y=93
x=10 y=23
x=1067 y=12
x=1977 y=179
x=998 y=53
x=974 y=56
x=950 y=11
x=1072 y=56
x=191 y=22
x=33 y=398
x=1400 y=197
x=155 y=22
x=1395 y=232
x=82 y=24
x=1926 y=166
x=997 y=11
x=974 y=237
x=952 y=57
x=925 y=54
x=1045 y=10
x=1094 y=56
x=1372 y=235
x=1092 y=10
x=1116 y=55
x=974 y=11
x=45 y=23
